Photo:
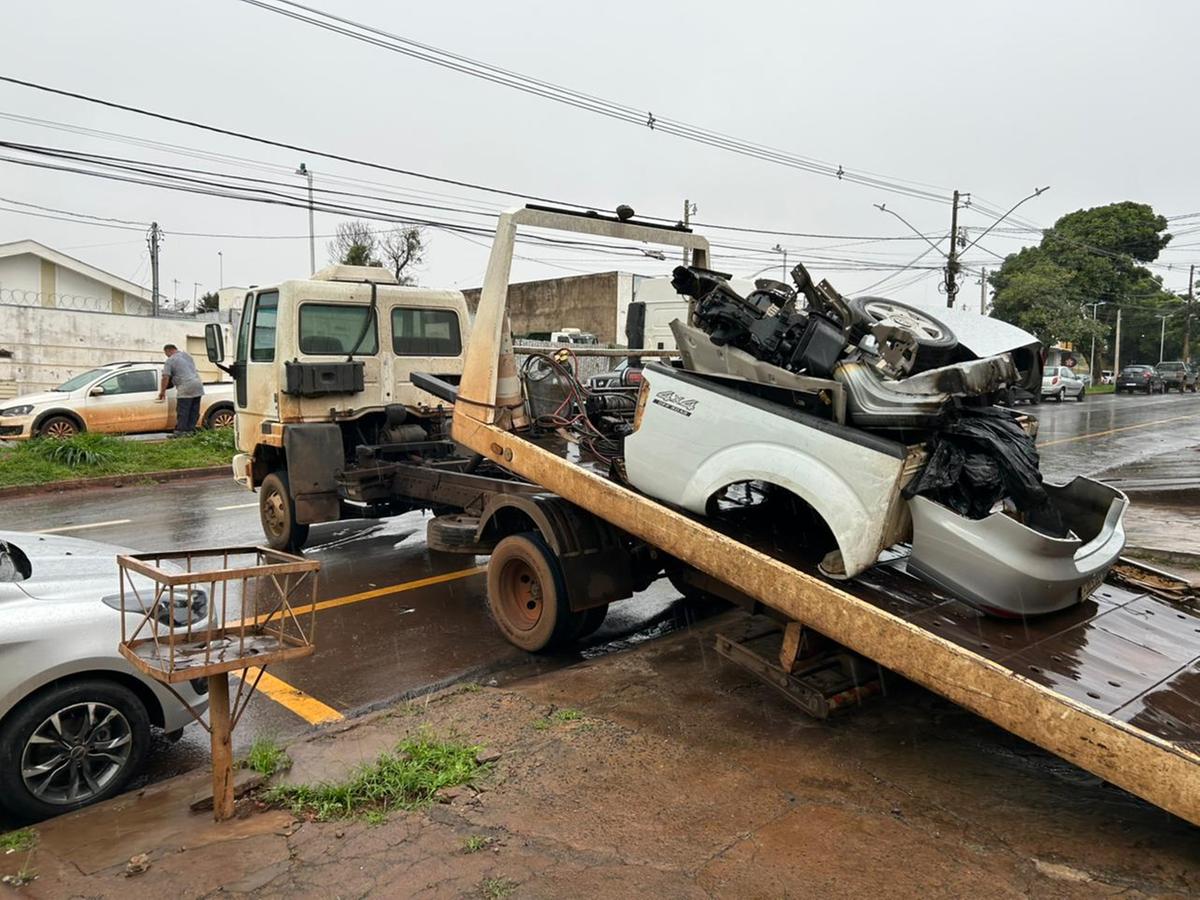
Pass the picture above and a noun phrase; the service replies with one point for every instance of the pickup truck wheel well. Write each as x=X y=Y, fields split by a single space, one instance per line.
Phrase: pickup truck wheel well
x=788 y=515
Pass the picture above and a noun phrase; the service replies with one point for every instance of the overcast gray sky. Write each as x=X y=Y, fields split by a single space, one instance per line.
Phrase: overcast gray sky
x=1090 y=98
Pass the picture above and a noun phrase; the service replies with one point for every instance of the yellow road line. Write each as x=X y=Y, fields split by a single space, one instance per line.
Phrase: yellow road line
x=372 y=594
x=82 y=527
x=310 y=709
x=1096 y=434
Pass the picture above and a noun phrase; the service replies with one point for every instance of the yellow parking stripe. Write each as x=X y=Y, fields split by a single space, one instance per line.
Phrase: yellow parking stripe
x=310 y=709
x=1095 y=434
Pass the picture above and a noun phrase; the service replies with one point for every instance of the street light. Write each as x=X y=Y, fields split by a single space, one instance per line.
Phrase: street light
x=221 y=270
x=1092 y=358
x=312 y=245
x=1162 y=336
x=778 y=249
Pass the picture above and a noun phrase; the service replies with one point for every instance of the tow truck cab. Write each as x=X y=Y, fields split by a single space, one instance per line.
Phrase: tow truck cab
x=324 y=365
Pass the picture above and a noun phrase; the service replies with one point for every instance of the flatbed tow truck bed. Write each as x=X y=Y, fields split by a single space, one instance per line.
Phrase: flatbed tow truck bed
x=1111 y=685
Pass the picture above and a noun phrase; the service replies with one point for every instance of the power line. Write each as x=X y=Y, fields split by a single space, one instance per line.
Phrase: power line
x=548 y=90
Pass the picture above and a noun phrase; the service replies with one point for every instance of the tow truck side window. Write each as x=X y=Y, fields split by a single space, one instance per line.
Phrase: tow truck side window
x=426 y=332
x=262 y=340
x=332 y=329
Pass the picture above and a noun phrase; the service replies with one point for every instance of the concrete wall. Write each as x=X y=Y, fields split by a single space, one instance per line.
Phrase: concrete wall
x=587 y=302
x=41 y=347
x=21 y=274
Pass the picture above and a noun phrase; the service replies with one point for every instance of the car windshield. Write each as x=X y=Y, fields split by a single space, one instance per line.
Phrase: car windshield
x=72 y=384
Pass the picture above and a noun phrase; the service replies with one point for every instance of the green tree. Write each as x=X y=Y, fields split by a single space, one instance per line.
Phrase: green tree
x=354 y=244
x=403 y=250
x=210 y=302
x=1089 y=256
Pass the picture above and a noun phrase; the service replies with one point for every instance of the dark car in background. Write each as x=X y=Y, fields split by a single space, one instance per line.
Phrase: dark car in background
x=1140 y=378
x=1177 y=375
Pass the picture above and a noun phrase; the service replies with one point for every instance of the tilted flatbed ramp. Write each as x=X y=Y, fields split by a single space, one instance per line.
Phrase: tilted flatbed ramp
x=1112 y=685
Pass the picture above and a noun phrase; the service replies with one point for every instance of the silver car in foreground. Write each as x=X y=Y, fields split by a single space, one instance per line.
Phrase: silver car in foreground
x=75 y=716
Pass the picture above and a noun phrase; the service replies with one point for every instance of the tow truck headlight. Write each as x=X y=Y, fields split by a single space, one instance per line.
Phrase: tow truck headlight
x=22 y=410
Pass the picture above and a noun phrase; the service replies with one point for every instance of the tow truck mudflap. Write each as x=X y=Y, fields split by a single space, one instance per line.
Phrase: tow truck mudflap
x=315 y=461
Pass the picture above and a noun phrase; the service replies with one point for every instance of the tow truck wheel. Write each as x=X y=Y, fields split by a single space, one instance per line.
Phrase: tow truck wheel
x=527 y=594
x=278 y=514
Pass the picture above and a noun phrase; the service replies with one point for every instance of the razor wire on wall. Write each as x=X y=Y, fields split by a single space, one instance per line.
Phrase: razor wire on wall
x=21 y=297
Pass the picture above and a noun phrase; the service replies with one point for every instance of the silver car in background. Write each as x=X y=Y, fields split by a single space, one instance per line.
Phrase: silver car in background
x=1060 y=383
x=75 y=716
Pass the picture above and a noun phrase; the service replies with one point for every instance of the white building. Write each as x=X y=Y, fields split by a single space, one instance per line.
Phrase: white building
x=60 y=316
x=32 y=274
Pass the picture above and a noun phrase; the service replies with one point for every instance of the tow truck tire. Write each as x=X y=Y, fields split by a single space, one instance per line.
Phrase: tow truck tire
x=455 y=533
x=590 y=621
x=527 y=594
x=277 y=513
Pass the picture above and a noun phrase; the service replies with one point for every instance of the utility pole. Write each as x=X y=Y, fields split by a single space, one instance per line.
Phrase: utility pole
x=175 y=294
x=154 y=237
x=1117 y=347
x=983 y=292
x=1187 y=322
x=952 y=257
x=689 y=209
x=312 y=244
x=779 y=248
x=1092 y=358
x=221 y=270
x=1162 y=336
x=195 y=288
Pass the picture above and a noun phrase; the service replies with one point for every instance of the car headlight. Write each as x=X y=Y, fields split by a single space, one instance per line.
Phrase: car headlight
x=23 y=410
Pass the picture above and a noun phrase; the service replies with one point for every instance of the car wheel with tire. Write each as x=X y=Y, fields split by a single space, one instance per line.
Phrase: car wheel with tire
x=277 y=512
x=1082 y=395
x=1058 y=398
x=59 y=427
x=70 y=745
x=935 y=339
x=527 y=594
x=220 y=417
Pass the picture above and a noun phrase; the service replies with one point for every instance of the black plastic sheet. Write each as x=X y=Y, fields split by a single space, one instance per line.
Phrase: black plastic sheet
x=982 y=456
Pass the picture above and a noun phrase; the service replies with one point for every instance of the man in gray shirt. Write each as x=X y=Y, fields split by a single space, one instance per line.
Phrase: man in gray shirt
x=180 y=371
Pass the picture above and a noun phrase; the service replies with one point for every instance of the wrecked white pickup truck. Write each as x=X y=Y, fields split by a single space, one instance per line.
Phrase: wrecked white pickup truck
x=877 y=418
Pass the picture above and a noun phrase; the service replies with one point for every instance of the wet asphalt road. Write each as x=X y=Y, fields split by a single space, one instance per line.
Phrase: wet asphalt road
x=397 y=634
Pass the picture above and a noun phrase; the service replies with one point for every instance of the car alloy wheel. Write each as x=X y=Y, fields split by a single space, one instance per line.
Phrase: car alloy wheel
x=76 y=752
x=221 y=418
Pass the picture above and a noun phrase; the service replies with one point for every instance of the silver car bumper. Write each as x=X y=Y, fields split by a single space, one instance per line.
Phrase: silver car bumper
x=1006 y=568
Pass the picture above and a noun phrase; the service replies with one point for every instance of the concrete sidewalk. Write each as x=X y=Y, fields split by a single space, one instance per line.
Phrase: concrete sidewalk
x=679 y=777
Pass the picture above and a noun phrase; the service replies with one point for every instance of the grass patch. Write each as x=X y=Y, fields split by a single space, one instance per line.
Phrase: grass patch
x=266 y=757
x=406 y=779
x=475 y=843
x=1101 y=388
x=558 y=717
x=18 y=841
x=44 y=460
x=496 y=888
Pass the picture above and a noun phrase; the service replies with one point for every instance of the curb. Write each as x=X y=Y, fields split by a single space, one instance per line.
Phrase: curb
x=25 y=490
x=1155 y=554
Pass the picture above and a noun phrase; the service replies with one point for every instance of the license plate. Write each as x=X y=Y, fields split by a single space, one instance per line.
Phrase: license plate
x=1089 y=587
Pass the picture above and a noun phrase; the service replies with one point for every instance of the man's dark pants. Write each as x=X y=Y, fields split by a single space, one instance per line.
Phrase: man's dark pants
x=187 y=411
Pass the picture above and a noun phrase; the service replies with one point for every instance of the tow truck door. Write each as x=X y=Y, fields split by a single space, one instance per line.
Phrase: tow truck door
x=254 y=362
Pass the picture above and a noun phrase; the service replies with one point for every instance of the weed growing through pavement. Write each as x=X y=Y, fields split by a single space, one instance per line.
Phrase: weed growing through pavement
x=375 y=817
x=266 y=757
x=496 y=888
x=18 y=841
x=408 y=778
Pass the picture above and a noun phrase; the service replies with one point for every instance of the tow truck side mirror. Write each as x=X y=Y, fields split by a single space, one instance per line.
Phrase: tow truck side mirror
x=214 y=342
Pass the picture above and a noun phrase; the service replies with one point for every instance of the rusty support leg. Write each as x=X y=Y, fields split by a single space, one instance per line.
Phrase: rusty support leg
x=789 y=650
x=222 y=746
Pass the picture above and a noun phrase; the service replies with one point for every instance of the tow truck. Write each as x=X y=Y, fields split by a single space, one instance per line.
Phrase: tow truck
x=1109 y=684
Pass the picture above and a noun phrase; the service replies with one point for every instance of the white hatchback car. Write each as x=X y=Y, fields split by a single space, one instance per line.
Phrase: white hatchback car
x=1060 y=383
x=75 y=716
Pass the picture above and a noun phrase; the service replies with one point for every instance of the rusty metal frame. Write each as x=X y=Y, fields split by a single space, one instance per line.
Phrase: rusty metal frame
x=1159 y=771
